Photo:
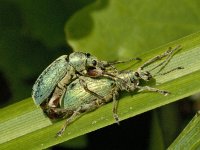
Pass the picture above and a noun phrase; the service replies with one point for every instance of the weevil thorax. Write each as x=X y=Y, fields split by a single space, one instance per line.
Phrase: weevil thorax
x=128 y=82
x=131 y=79
x=78 y=60
x=82 y=62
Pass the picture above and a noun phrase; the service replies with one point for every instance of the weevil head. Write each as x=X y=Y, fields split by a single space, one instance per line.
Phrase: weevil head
x=143 y=75
x=82 y=62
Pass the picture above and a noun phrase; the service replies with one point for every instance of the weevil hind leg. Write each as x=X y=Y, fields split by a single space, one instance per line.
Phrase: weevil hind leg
x=75 y=114
x=114 y=96
x=114 y=110
x=151 y=89
x=80 y=111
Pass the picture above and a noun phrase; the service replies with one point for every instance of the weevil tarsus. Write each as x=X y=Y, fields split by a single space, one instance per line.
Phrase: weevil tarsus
x=151 y=89
x=115 y=104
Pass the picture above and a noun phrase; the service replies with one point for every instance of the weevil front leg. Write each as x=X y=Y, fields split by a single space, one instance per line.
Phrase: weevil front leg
x=95 y=73
x=148 y=88
x=109 y=66
x=78 y=112
x=168 y=53
x=164 y=73
x=120 y=62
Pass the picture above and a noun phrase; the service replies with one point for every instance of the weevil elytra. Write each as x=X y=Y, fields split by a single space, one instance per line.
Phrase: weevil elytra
x=77 y=99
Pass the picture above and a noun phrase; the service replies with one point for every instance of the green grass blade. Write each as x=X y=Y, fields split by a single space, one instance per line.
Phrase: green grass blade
x=189 y=138
x=23 y=125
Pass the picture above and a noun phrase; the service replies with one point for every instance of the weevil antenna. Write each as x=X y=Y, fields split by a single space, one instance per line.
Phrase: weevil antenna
x=168 y=53
x=174 y=69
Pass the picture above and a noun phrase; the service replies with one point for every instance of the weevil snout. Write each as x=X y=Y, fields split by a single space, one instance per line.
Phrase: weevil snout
x=144 y=75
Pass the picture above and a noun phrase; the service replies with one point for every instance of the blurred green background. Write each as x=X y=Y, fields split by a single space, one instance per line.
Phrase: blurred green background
x=33 y=33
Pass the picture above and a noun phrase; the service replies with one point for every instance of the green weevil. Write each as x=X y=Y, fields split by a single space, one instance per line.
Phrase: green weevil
x=78 y=99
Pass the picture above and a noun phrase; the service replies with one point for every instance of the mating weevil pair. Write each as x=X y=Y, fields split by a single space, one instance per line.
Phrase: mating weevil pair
x=54 y=80
x=88 y=84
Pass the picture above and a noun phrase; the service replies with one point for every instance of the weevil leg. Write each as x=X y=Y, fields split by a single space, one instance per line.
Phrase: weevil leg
x=84 y=85
x=56 y=113
x=110 y=65
x=120 y=62
x=62 y=86
x=115 y=104
x=78 y=112
x=164 y=73
x=165 y=62
x=93 y=105
x=148 y=88
x=62 y=95
x=57 y=96
x=75 y=114
x=60 y=90
x=168 y=53
x=115 y=78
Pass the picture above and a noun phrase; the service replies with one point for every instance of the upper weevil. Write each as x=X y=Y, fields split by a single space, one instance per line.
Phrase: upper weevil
x=53 y=81
x=79 y=99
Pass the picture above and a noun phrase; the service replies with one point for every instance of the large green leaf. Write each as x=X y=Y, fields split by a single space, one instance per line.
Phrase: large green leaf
x=23 y=125
x=189 y=137
x=45 y=19
x=119 y=29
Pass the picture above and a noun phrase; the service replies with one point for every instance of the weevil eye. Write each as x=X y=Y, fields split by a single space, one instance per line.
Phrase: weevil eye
x=88 y=55
x=149 y=76
x=132 y=80
x=94 y=62
x=137 y=74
